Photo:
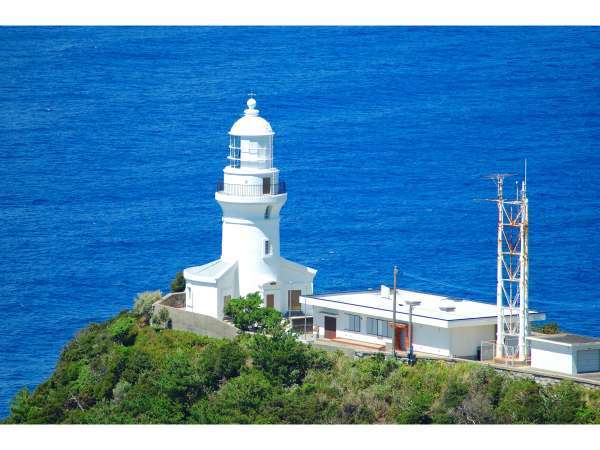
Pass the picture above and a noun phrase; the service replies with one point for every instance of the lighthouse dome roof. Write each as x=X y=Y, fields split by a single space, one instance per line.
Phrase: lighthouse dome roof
x=251 y=124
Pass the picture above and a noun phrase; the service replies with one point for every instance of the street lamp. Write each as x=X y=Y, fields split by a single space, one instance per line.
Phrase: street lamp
x=394 y=314
x=411 y=355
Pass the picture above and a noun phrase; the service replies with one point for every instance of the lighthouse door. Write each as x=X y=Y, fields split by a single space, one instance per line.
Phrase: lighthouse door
x=266 y=185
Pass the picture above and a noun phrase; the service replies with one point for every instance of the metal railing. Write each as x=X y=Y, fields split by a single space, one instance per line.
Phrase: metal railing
x=251 y=190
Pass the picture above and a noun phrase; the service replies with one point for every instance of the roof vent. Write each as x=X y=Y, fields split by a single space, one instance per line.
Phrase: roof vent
x=447 y=305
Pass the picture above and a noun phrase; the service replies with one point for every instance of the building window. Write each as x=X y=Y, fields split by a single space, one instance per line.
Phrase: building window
x=268 y=212
x=267 y=247
x=234 y=151
x=354 y=323
x=379 y=327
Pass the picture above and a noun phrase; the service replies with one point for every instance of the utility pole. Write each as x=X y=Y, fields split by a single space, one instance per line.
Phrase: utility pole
x=394 y=314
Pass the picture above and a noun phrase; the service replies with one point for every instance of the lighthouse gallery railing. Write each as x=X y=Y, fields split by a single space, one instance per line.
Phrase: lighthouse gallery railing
x=251 y=190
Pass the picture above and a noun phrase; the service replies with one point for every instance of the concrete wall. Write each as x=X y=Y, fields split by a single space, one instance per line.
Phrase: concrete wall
x=465 y=341
x=196 y=323
x=553 y=357
x=174 y=299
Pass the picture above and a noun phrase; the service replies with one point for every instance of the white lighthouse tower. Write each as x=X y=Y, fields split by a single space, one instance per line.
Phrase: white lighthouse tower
x=251 y=196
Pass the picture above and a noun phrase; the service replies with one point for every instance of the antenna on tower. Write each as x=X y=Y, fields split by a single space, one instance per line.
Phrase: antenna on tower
x=251 y=94
x=512 y=273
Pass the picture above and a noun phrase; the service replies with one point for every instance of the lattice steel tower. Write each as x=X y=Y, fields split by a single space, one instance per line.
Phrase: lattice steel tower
x=512 y=272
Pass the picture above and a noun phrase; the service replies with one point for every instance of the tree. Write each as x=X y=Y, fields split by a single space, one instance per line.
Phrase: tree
x=19 y=407
x=241 y=401
x=248 y=314
x=178 y=283
x=281 y=357
x=144 y=303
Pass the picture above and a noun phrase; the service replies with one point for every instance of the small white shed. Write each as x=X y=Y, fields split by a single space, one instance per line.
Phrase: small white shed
x=565 y=353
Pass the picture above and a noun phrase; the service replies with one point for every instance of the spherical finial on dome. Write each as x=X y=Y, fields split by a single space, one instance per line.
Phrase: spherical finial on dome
x=251 y=111
x=251 y=124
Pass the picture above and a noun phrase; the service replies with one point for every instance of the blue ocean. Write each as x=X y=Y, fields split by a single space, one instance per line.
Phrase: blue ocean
x=112 y=140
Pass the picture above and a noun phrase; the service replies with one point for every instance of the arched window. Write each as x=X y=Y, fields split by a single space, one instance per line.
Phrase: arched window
x=268 y=212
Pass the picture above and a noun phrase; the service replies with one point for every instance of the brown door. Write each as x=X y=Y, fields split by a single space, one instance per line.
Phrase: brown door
x=330 y=327
x=398 y=337
x=401 y=337
x=266 y=185
x=294 y=300
x=270 y=301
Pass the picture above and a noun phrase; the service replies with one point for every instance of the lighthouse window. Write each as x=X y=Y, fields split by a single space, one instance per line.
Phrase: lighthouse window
x=268 y=212
x=234 y=151
x=267 y=247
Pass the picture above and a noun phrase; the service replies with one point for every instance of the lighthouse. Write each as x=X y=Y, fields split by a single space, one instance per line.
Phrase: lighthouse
x=251 y=196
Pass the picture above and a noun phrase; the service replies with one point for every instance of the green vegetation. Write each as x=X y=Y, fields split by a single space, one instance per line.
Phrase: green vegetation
x=178 y=283
x=248 y=315
x=143 y=304
x=547 y=328
x=161 y=319
x=128 y=371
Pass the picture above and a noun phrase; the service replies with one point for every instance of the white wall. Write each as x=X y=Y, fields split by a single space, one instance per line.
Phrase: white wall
x=290 y=279
x=434 y=340
x=465 y=341
x=226 y=285
x=552 y=357
x=342 y=324
x=204 y=298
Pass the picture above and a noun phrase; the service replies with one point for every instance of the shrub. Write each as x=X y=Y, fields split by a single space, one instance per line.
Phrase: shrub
x=19 y=407
x=143 y=304
x=547 y=328
x=161 y=319
x=565 y=403
x=220 y=361
x=521 y=403
x=121 y=330
x=120 y=390
x=281 y=357
x=178 y=283
x=240 y=401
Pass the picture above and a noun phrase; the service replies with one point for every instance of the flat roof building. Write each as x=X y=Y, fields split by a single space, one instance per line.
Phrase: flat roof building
x=571 y=354
x=444 y=326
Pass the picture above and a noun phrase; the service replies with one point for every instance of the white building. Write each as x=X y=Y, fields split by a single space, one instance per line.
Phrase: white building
x=565 y=353
x=251 y=197
x=441 y=325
